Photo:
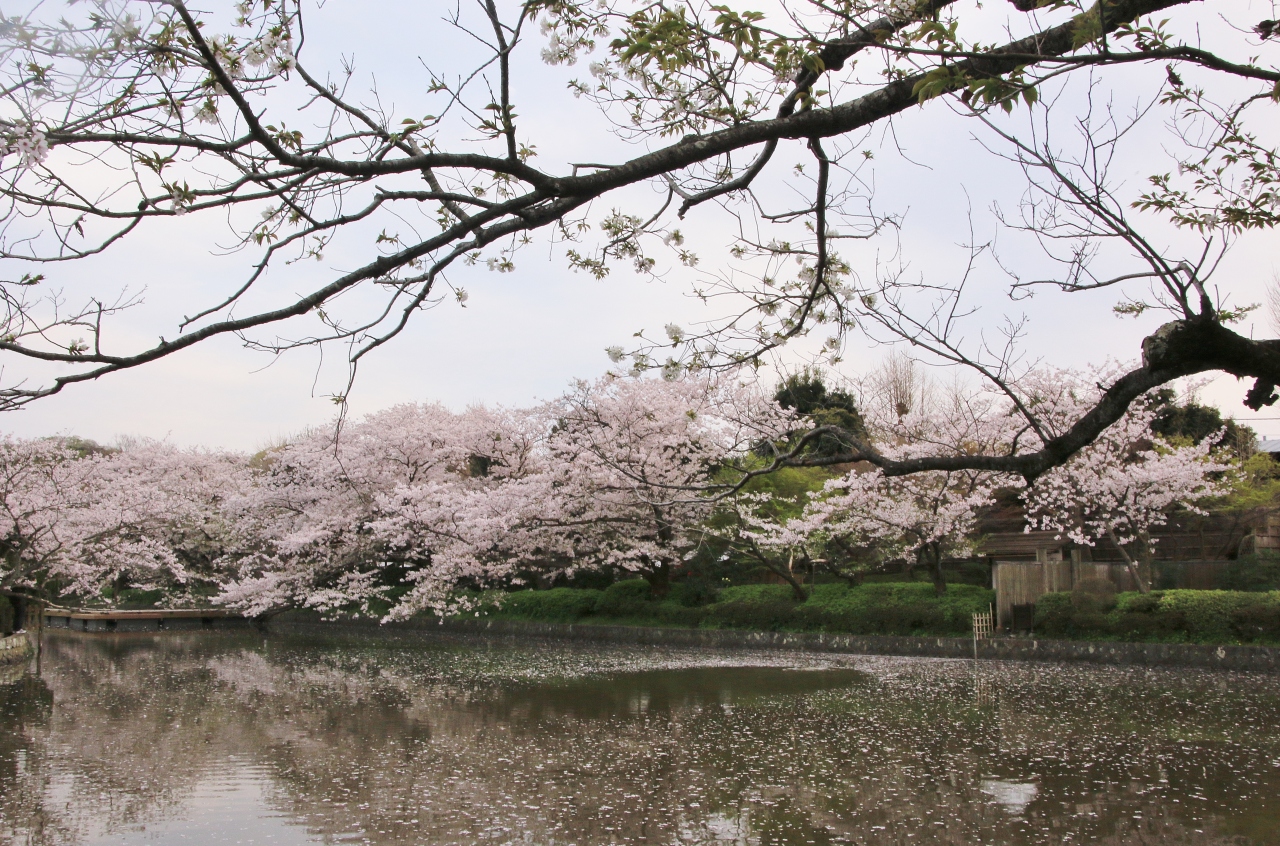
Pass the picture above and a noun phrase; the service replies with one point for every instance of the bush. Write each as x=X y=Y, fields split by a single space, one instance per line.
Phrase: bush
x=1257 y=622
x=895 y=608
x=1055 y=615
x=767 y=615
x=626 y=599
x=920 y=618
x=692 y=593
x=6 y=616
x=1206 y=616
x=559 y=605
x=676 y=614
x=1208 y=613
x=758 y=594
x=1094 y=596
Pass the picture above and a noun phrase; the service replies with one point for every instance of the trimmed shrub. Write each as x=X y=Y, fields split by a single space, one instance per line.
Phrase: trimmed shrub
x=895 y=608
x=692 y=593
x=626 y=599
x=1055 y=615
x=1094 y=596
x=558 y=605
x=888 y=620
x=769 y=615
x=675 y=614
x=1208 y=613
x=6 y=615
x=1257 y=622
x=1206 y=616
x=759 y=593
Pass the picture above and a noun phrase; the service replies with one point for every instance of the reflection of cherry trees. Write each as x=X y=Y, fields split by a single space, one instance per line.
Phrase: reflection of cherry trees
x=479 y=740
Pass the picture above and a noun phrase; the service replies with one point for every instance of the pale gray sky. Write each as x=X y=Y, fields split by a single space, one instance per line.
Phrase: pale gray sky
x=525 y=335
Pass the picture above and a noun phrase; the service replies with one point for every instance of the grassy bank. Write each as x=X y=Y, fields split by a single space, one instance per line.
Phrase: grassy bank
x=892 y=608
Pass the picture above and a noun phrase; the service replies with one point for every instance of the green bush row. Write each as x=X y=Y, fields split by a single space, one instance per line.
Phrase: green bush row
x=902 y=608
x=1202 y=616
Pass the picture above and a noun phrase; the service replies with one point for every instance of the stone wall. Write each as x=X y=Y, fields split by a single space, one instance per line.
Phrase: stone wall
x=15 y=649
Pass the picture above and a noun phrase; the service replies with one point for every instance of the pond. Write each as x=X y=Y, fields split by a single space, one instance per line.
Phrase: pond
x=214 y=738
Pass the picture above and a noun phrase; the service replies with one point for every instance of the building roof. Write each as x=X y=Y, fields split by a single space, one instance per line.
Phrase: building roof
x=1269 y=445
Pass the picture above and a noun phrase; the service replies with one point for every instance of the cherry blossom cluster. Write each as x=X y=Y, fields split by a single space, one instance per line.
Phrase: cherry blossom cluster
x=1125 y=483
x=148 y=516
x=863 y=519
x=419 y=507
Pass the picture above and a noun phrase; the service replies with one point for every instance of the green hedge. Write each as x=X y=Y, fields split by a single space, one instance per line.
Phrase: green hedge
x=558 y=605
x=901 y=608
x=1202 y=616
x=631 y=598
x=895 y=608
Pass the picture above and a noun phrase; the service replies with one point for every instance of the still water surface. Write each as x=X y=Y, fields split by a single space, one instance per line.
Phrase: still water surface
x=239 y=738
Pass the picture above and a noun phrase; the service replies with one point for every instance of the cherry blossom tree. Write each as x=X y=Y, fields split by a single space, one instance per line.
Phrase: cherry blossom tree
x=149 y=515
x=156 y=516
x=40 y=480
x=923 y=518
x=1126 y=483
x=313 y=501
x=640 y=456
x=617 y=474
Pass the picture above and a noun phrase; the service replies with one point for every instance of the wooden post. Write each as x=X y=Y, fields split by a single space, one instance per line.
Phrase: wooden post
x=982 y=625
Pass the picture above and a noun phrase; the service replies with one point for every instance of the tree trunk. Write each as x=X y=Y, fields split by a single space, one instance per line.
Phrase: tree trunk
x=786 y=572
x=797 y=585
x=1143 y=586
x=930 y=555
x=659 y=579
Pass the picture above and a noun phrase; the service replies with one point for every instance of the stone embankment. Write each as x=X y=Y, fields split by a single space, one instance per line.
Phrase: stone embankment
x=148 y=620
x=15 y=649
x=1253 y=658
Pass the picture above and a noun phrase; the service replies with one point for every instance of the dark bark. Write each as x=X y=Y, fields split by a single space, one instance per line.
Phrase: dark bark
x=659 y=579
x=930 y=555
x=1176 y=349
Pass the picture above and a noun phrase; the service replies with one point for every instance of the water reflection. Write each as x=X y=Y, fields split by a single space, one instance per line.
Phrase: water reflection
x=236 y=738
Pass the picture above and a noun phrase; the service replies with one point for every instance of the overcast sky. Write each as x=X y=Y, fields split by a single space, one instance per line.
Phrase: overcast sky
x=523 y=336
